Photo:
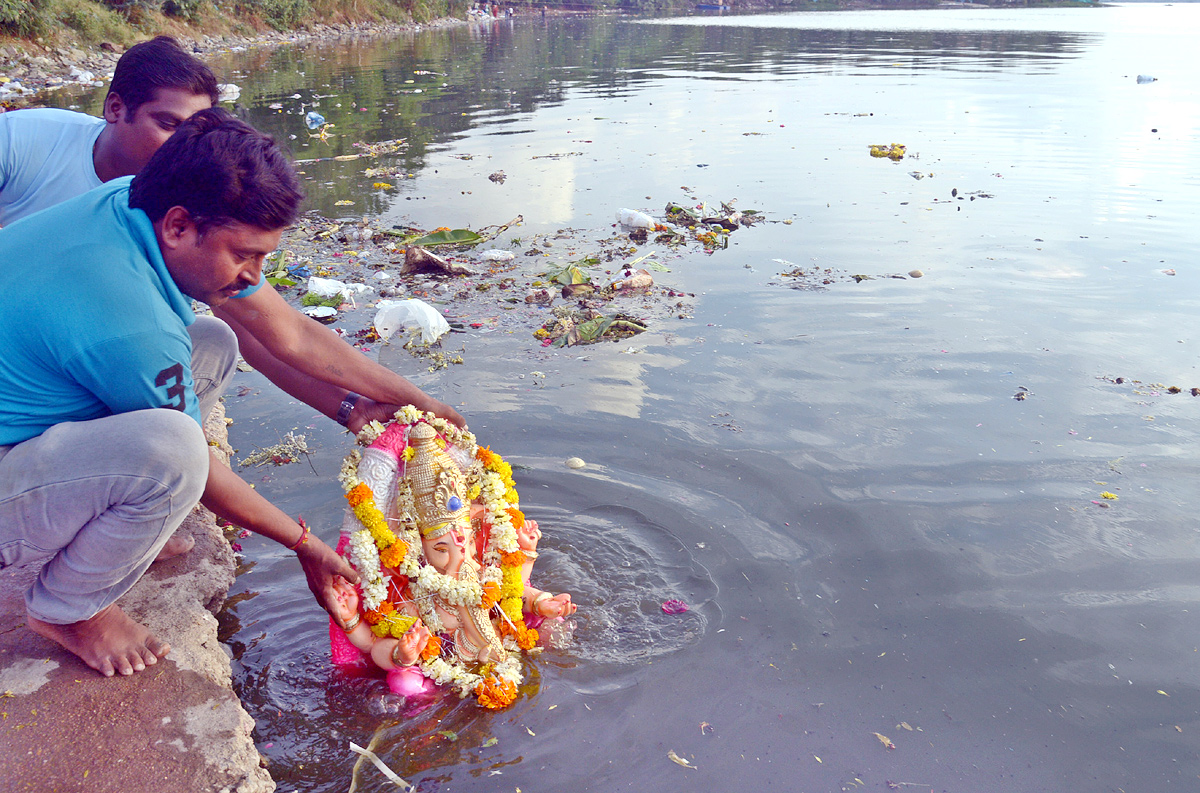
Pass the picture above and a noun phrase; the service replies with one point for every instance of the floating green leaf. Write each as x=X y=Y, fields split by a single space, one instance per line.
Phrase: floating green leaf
x=451 y=735
x=449 y=237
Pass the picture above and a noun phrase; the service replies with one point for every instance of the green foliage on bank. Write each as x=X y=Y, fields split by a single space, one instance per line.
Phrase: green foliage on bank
x=122 y=21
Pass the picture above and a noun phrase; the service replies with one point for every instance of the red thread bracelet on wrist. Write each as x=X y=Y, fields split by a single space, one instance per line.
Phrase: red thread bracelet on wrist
x=303 y=535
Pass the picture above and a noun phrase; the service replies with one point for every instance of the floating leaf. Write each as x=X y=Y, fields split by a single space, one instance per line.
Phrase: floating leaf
x=886 y=741
x=451 y=735
x=491 y=742
x=449 y=237
x=1165 y=694
x=568 y=275
x=679 y=760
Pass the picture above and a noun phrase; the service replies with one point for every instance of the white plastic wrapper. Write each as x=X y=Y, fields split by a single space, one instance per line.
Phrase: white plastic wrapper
x=328 y=287
x=631 y=218
x=392 y=314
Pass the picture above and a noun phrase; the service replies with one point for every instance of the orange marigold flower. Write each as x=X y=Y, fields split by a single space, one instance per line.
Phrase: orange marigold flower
x=393 y=555
x=495 y=694
x=486 y=456
x=514 y=559
x=372 y=617
x=491 y=595
x=518 y=517
x=527 y=639
x=358 y=494
x=432 y=649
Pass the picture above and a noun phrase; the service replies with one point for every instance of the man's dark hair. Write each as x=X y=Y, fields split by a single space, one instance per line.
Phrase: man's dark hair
x=160 y=63
x=221 y=170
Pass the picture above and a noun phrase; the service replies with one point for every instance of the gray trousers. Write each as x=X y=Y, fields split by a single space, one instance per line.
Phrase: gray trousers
x=102 y=497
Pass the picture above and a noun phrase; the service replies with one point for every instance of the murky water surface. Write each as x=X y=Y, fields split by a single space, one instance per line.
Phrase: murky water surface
x=874 y=535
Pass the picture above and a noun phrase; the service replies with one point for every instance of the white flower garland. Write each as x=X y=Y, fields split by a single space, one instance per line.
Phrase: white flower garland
x=426 y=583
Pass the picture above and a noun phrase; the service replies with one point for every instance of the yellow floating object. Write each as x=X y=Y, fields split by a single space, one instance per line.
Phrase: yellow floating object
x=894 y=151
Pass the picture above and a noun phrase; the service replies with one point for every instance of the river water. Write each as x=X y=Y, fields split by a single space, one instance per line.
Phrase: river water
x=874 y=532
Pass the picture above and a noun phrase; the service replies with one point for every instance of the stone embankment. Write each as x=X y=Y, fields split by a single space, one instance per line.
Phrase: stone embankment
x=177 y=727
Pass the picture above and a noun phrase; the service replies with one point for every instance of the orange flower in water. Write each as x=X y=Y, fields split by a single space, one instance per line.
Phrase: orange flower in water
x=394 y=554
x=518 y=517
x=491 y=595
x=496 y=694
x=432 y=649
x=358 y=494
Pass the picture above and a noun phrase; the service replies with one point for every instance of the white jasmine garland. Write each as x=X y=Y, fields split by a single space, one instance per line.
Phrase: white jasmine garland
x=428 y=586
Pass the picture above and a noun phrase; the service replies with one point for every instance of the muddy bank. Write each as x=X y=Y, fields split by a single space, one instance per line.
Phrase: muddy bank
x=28 y=71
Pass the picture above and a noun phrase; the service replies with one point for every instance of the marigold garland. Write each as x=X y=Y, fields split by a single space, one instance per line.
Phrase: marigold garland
x=376 y=546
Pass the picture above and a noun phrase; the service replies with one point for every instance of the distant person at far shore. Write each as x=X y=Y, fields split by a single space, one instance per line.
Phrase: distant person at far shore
x=48 y=155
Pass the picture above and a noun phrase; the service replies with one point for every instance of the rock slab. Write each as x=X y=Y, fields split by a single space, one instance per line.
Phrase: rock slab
x=178 y=726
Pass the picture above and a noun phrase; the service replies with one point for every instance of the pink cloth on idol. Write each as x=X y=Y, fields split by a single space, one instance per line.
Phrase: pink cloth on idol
x=392 y=440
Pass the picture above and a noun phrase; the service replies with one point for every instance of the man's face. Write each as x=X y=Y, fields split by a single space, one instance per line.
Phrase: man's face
x=214 y=266
x=139 y=134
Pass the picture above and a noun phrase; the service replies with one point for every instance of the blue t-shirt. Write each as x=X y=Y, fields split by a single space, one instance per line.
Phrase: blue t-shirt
x=91 y=322
x=45 y=158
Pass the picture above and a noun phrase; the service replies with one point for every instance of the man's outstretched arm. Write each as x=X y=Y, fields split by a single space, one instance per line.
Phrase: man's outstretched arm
x=306 y=359
x=235 y=501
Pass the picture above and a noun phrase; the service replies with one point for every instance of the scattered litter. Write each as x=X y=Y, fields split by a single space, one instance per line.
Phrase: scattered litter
x=320 y=313
x=674 y=606
x=228 y=92
x=1145 y=78
x=313 y=119
x=915 y=274
x=329 y=287
x=391 y=314
x=289 y=450
x=575 y=462
x=497 y=255
x=631 y=218
x=679 y=760
x=894 y=151
x=417 y=259
x=387 y=772
x=498 y=177
x=1109 y=496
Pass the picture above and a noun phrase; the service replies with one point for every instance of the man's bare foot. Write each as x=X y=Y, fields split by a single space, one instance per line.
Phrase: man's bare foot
x=178 y=545
x=109 y=642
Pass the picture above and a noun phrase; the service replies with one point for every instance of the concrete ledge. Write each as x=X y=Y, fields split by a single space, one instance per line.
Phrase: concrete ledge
x=178 y=726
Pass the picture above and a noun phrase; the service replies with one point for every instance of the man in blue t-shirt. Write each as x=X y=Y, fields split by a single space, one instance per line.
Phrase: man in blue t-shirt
x=48 y=156
x=101 y=450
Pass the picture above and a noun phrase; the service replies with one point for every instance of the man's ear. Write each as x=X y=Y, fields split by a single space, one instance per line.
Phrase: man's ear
x=177 y=228
x=114 y=107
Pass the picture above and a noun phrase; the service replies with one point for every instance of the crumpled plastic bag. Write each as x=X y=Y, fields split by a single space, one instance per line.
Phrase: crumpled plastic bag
x=328 y=287
x=631 y=218
x=392 y=314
